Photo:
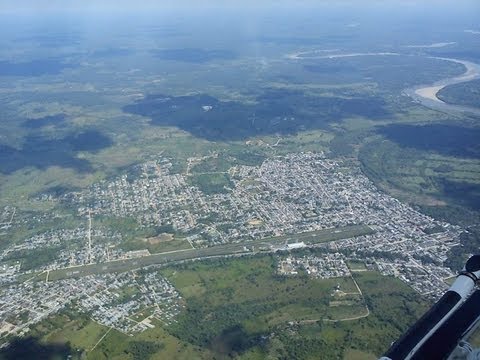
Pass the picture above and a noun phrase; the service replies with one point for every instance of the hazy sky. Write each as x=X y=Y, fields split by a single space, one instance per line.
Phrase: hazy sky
x=110 y=5
x=247 y=11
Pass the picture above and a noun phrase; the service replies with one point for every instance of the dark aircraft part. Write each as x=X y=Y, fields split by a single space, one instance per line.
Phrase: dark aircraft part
x=452 y=316
x=401 y=348
x=444 y=341
x=473 y=264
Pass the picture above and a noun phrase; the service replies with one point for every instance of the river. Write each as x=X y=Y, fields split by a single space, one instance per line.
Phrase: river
x=427 y=95
x=423 y=94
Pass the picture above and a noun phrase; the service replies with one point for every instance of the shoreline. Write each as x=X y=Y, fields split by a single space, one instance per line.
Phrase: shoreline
x=430 y=93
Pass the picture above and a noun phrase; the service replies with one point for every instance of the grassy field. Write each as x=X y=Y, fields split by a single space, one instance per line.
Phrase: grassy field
x=356 y=266
x=84 y=337
x=155 y=245
x=212 y=183
x=393 y=307
x=90 y=340
x=353 y=354
x=76 y=330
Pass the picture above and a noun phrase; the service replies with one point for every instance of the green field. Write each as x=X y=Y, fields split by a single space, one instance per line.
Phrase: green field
x=155 y=246
x=447 y=187
x=356 y=266
x=212 y=183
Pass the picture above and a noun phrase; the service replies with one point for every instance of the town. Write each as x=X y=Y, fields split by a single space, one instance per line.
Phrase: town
x=127 y=302
x=325 y=267
x=285 y=195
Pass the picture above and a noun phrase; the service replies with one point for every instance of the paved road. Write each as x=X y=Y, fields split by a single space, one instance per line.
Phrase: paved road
x=249 y=247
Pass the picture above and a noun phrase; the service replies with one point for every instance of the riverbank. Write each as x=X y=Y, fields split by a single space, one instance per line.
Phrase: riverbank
x=472 y=72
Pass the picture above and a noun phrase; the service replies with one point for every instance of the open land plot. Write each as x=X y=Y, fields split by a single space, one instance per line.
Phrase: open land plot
x=346 y=312
x=356 y=266
x=156 y=245
x=79 y=331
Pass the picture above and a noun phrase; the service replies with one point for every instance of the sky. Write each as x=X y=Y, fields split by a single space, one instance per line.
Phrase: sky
x=242 y=10
x=128 y=5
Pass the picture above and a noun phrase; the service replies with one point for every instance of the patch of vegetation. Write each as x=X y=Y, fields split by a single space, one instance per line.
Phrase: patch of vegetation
x=130 y=228
x=248 y=157
x=81 y=333
x=220 y=163
x=356 y=266
x=388 y=300
x=32 y=259
x=71 y=328
x=279 y=111
x=229 y=157
x=449 y=140
x=240 y=308
x=390 y=73
x=230 y=293
x=434 y=229
x=353 y=354
x=42 y=153
x=453 y=214
x=143 y=349
x=467 y=93
x=465 y=193
x=45 y=121
x=215 y=183
x=421 y=177
x=154 y=246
